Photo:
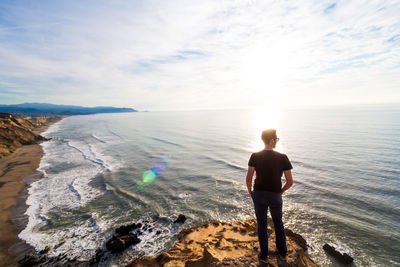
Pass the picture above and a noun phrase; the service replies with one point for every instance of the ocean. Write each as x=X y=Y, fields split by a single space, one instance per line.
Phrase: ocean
x=106 y=170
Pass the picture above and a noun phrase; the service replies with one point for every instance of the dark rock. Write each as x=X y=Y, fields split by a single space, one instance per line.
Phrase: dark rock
x=158 y=232
x=181 y=219
x=115 y=244
x=29 y=260
x=97 y=257
x=43 y=258
x=59 y=245
x=163 y=257
x=120 y=243
x=44 y=251
x=342 y=258
x=42 y=138
x=125 y=229
x=297 y=238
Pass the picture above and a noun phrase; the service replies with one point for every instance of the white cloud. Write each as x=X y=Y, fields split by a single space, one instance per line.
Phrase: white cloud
x=202 y=54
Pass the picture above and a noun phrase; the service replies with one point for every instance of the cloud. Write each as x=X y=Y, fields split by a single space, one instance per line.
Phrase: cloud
x=199 y=54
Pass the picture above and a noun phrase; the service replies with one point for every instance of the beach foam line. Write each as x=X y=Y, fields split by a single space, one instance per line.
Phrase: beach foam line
x=226 y=163
x=115 y=134
x=166 y=141
x=73 y=190
x=85 y=156
x=120 y=192
x=98 y=138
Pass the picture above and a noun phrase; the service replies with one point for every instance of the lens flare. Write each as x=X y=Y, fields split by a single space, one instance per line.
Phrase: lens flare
x=149 y=176
x=139 y=185
x=158 y=167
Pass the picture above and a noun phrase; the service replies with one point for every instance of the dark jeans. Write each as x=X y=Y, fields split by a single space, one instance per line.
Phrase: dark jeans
x=262 y=200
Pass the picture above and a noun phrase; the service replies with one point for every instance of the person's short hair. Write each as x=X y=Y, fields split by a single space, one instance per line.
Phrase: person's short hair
x=267 y=135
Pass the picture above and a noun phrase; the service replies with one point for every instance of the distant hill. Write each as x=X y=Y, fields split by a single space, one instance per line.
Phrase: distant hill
x=44 y=109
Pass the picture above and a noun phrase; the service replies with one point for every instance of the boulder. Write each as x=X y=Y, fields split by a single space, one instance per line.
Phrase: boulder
x=120 y=243
x=96 y=259
x=342 y=258
x=181 y=219
x=297 y=238
x=125 y=229
x=29 y=260
x=44 y=251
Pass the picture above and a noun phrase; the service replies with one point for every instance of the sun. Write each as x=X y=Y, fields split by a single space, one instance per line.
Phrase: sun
x=265 y=117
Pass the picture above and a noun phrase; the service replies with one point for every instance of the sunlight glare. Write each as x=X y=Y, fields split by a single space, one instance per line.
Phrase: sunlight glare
x=264 y=68
x=266 y=117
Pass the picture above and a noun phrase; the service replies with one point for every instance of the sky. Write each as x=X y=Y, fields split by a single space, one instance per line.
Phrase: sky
x=177 y=55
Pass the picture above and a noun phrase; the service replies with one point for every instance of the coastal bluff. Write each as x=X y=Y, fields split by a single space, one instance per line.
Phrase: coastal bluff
x=227 y=244
x=16 y=131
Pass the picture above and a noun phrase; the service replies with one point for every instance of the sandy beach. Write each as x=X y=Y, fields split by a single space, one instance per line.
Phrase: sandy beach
x=13 y=169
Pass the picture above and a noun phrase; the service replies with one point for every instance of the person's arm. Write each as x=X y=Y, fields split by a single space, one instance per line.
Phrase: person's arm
x=249 y=178
x=289 y=180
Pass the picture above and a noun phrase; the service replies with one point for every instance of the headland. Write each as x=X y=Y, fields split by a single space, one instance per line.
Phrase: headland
x=227 y=244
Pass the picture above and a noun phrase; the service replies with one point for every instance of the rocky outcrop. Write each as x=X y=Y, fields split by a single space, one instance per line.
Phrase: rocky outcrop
x=227 y=244
x=342 y=258
x=211 y=244
x=119 y=243
x=129 y=235
x=123 y=238
x=181 y=219
x=15 y=131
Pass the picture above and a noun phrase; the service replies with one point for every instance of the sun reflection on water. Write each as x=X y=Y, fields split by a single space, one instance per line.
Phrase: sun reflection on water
x=267 y=117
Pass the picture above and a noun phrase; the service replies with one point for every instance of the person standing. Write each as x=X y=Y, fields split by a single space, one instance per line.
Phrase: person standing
x=269 y=165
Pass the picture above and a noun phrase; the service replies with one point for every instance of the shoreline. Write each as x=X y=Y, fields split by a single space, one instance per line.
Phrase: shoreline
x=17 y=171
x=20 y=248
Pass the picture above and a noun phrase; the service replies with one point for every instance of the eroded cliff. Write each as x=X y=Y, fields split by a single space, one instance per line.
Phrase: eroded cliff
x=16 y=131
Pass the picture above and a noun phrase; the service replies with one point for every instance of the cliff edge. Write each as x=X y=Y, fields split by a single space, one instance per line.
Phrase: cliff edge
x=227 y=244
x=16 y=131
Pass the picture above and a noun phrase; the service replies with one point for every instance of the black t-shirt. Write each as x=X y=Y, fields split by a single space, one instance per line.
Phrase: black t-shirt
x=269 y=165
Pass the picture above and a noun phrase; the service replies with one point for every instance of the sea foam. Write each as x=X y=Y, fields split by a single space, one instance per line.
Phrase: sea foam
x=68 y=168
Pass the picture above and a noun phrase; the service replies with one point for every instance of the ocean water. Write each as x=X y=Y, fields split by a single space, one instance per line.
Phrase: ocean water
x=346 y=178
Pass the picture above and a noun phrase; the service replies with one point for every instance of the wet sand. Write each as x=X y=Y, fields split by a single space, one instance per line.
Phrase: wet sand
x=13 y=169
